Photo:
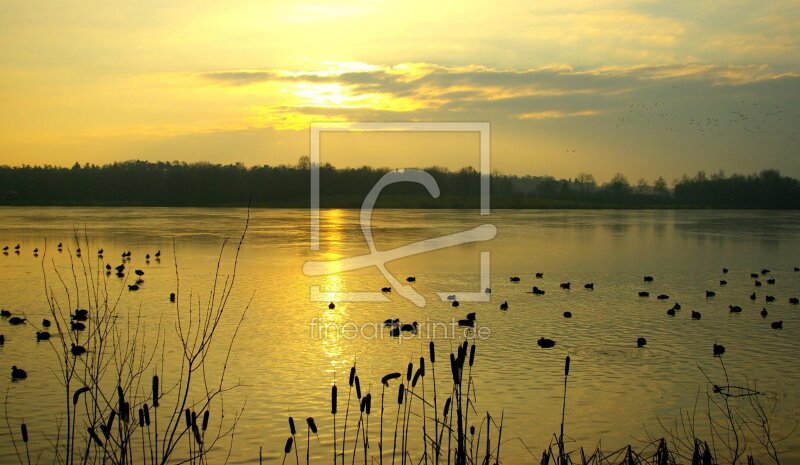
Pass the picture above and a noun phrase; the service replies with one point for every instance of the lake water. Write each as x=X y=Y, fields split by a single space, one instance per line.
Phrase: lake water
x=283 y=365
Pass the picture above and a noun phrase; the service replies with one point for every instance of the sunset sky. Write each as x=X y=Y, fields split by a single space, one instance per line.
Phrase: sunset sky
x=647 y=88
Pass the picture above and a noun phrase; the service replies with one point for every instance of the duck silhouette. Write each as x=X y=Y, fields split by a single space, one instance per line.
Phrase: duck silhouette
x=15 y=320
x=735 y=308
x=139 y=273
x=648 y=279
x=537 y=291
x=662 y=297
x=545 y=343
x=777 y=324
x=710 y=294
x=411 y=279
x=488 y=290
x=753 y=296
x=467 y=322
x=455 y=303
x=133 y=287
x=719 y=349
x=564 y=285
x=386 y=289
x=42 y=335
x=77 y=326
x=567 y=314
x=18 y=373
x=504 y=306
x=724 y=270
x=77 y=350
x=764 y=312
x=409 y=327
x=644 y=294
x=641 y=342
x=5 y=313
x=588 y=286
x=696 y=315
x=514 y=279
x=793 y=300
x=723 y=282
x=391 y=322
x=331 y=305
x=671 y=312
x=771 y=281
x=540 y=275
x=471 y=316
x=769 y=298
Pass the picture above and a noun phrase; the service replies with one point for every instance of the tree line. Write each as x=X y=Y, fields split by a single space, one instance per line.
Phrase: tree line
x=142 y=183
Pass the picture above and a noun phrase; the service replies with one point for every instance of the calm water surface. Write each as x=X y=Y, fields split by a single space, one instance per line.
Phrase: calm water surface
x=617 y=393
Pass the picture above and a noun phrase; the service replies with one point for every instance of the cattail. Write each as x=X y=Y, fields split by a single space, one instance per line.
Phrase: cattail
x=78 y=394
x=121 y=396
x=291 y=426
x=358 y=388
x=141 y=417
x=369 y=402
x=385 y=380
x=126 y=410
x=433 y=352
x=333 y=399
x=24 y=432
x=363 y=405
x=311 y=424
x=352 y=375
x=288 y=447
x=400 y=392
x=472 y=430
x=422 y=365
x=410 y=371
x=447 y=406
x=472 y=355
x=188 y=418
x=194 y=420
x=205 y=419
x=146 y=415
x=106 y=429
x=197 y=437
x=155 y=391
x=416 y=377
x=566 y=367
x=94 y=437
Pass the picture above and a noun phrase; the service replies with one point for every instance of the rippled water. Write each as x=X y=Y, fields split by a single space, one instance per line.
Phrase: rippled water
x=616 y=393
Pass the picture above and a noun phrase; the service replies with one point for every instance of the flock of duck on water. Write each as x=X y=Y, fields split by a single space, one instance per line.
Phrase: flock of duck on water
x=81 y=316
x=396 y=328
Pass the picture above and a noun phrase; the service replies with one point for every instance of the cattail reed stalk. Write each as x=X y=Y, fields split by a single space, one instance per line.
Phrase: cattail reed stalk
x=287 y=448
x=156 y=396
x=312 y=427
x=368 y=399
x=385 y=383
x=432 y=351
x=293 y=431
x=24 y=430
x=424 y=414
x=333 y=412
x=562 y=458
x=499 y=439
x=406 y=413
x=400 y=392
x=362 y=407
x=350 y=381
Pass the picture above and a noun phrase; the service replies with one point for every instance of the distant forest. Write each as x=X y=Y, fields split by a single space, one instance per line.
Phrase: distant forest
x=140 y=183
